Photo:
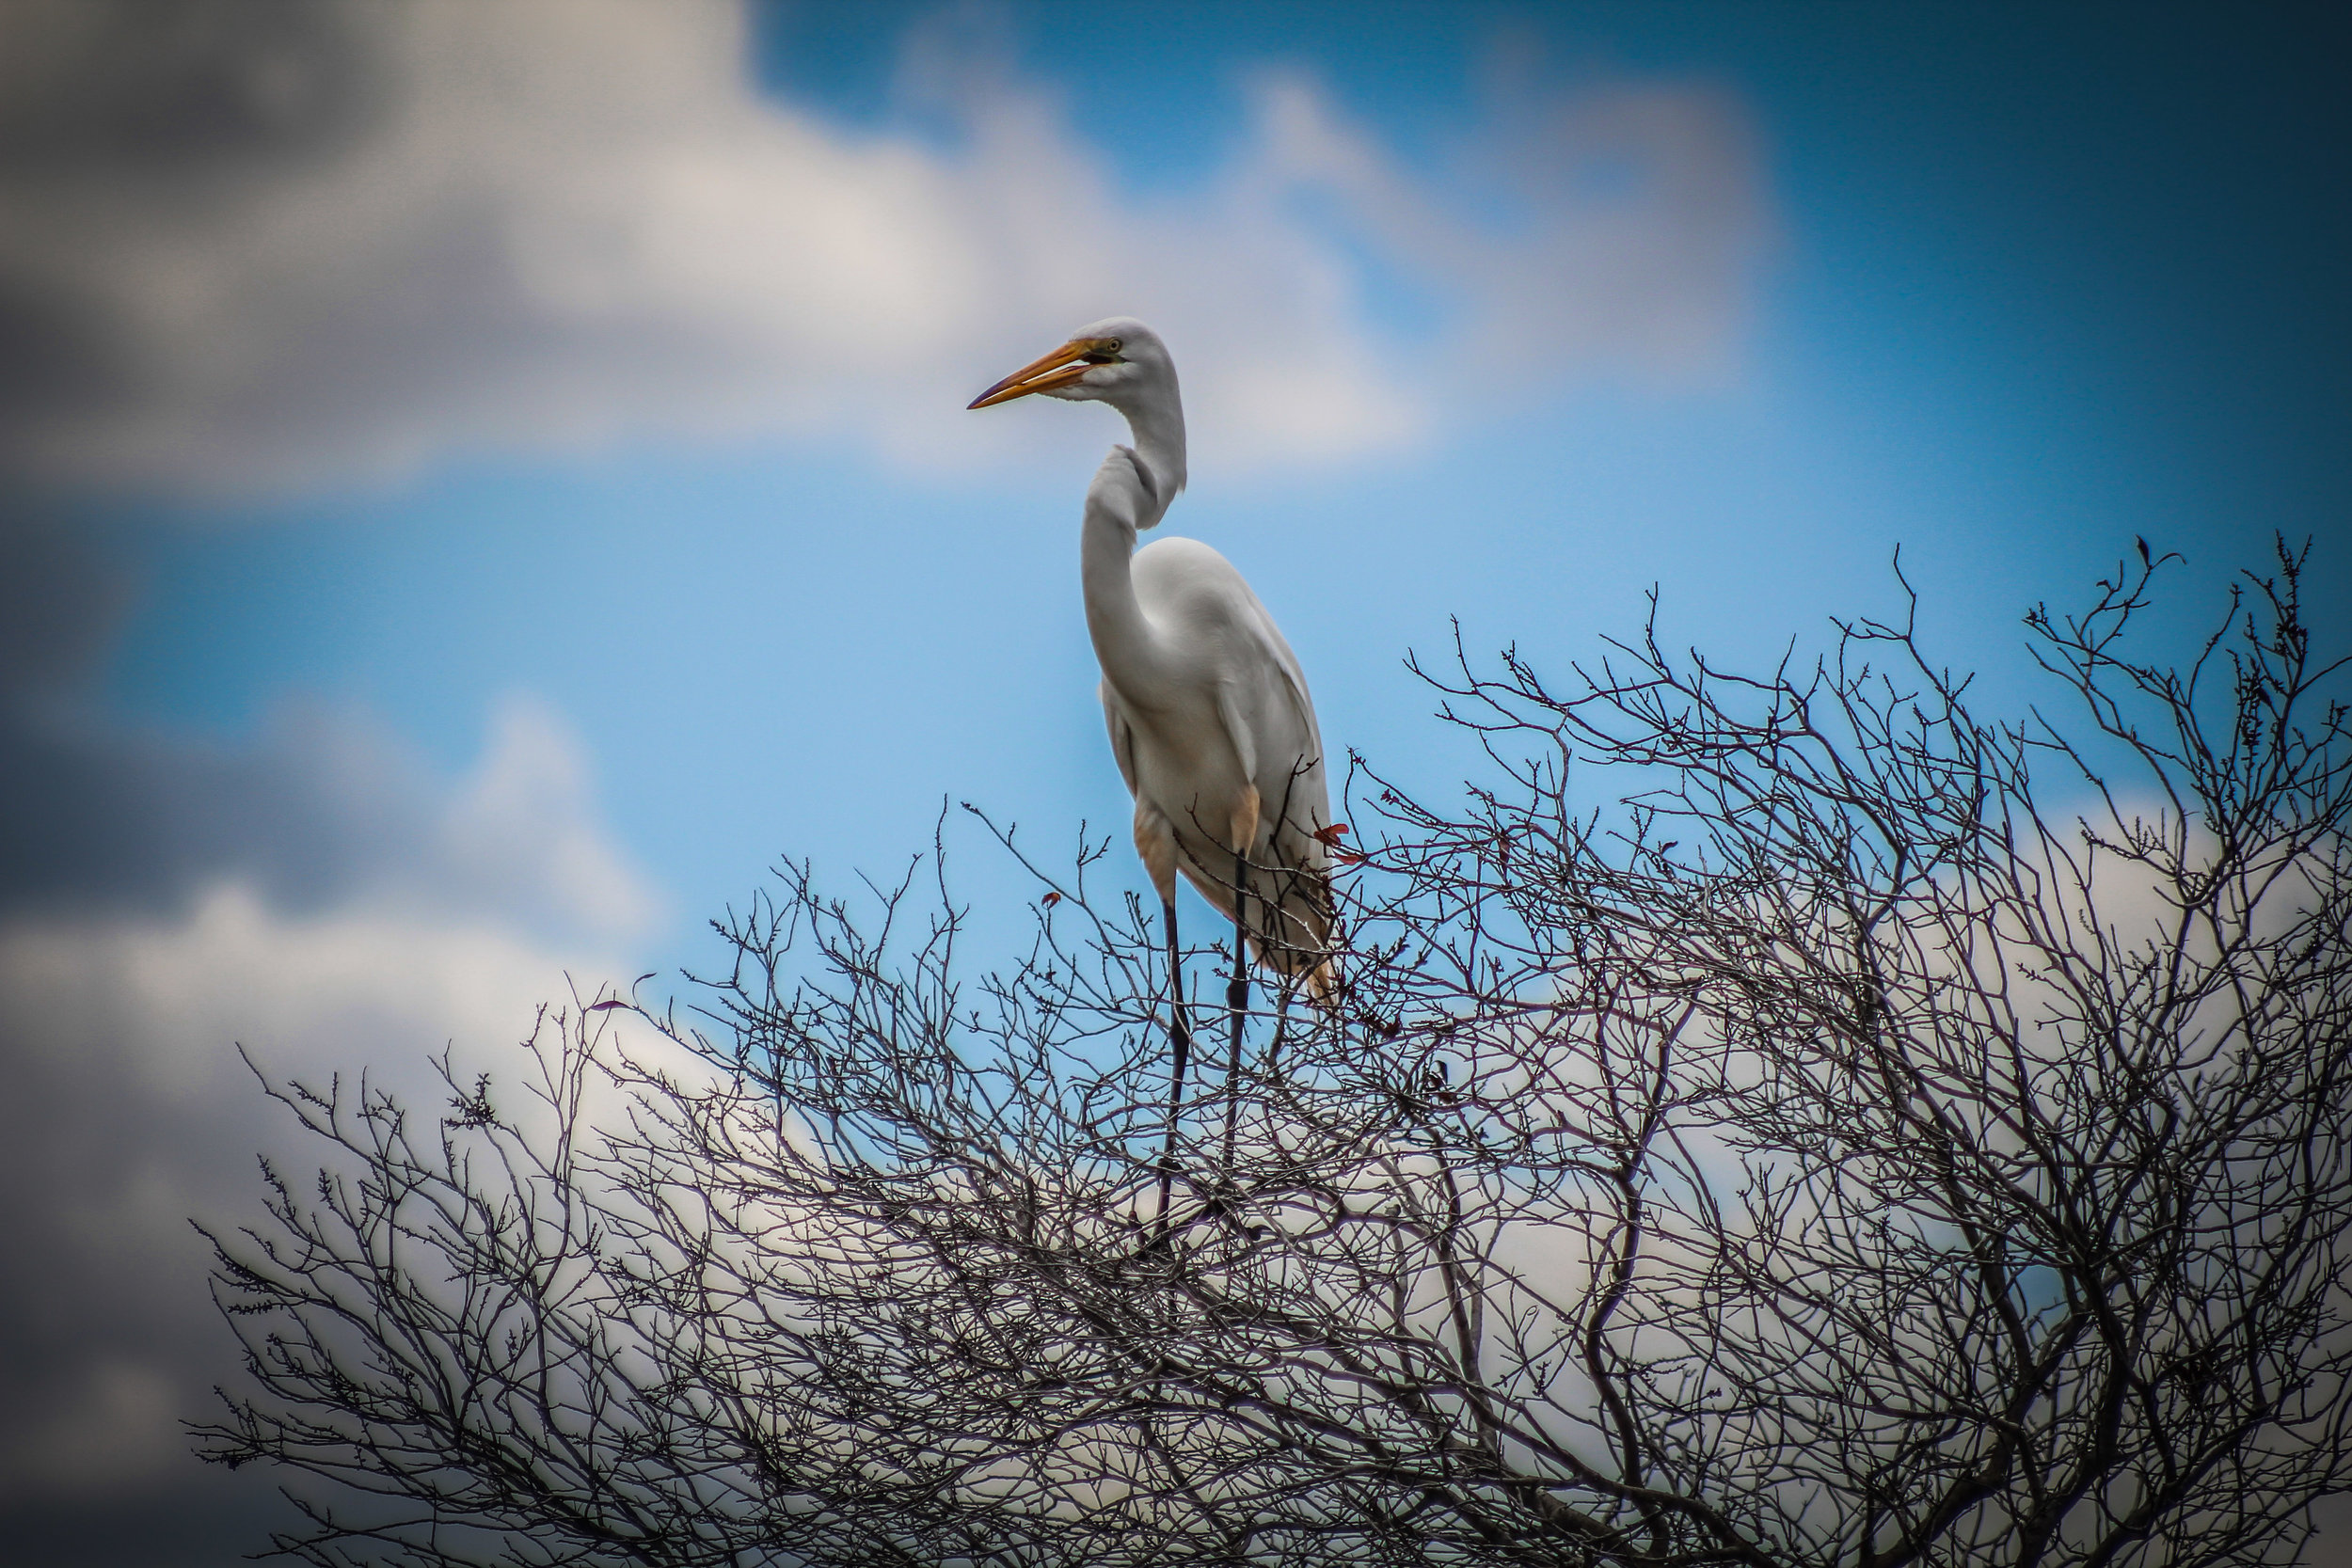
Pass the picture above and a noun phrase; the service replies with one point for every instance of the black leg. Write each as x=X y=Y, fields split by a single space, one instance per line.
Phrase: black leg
x=1274 y=1046
x=1236 y=1003
x=1180 y=1039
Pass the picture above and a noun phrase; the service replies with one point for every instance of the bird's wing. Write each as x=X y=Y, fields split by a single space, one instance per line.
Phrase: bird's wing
x=1296 y=902
x=1292 y=678
x=1186 y=584
x=1122 y=737
x=1289 y=768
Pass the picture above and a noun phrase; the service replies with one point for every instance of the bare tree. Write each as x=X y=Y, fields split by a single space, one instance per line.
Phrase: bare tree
x=1871 y=1135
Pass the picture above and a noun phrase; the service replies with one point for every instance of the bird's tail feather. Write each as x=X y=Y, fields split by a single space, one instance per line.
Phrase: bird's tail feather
x=1292 y=935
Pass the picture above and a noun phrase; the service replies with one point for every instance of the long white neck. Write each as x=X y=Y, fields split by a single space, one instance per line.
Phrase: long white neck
x=1157 y=424
x=1125 y=642
x=1131 y=492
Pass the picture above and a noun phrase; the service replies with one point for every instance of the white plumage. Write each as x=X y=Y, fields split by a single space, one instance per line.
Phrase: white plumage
x=1207 y=707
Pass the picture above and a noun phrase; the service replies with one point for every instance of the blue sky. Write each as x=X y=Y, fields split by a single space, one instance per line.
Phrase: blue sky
x=506 y=529
x=2039 y=282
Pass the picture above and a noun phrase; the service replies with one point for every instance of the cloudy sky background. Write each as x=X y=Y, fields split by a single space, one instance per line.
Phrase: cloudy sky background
x=478 y=483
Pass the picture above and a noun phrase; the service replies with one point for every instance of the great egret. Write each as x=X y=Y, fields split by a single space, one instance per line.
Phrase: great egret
x=1207 y=707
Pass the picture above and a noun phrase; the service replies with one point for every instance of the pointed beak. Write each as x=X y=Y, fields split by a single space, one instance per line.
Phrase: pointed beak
x=1060 y=368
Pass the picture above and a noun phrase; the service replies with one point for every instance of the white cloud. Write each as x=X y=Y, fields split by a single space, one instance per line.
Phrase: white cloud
x=118 y=1422
x=133 y=1112
x=522 y=835
x=451 y=226
x=255 y=245
x=458 y=913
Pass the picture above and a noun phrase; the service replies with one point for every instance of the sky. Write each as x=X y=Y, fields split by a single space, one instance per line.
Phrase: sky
x=478 y=485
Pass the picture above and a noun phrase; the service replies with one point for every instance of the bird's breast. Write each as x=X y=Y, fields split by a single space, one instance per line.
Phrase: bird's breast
x=1183 y=760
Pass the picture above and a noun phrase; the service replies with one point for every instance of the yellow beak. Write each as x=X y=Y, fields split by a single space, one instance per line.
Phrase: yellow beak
x=1060 y=368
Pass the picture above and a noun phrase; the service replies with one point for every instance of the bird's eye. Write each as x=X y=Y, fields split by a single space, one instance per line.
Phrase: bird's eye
x=1105 y=351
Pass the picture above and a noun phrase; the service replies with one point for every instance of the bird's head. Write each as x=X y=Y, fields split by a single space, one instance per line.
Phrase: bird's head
x=1118 y=360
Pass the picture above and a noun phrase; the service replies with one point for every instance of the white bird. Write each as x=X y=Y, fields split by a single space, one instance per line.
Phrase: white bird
x=1207 y=707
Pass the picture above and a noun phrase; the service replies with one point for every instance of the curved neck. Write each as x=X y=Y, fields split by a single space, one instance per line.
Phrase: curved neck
x=1124 y=640
x=1131 y=492
x=1157 y=424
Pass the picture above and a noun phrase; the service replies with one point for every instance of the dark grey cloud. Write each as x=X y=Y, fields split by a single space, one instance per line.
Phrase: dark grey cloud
x=132 y=93
x=321 y=808
x=109 y=1341
x=201 y=1519
x=311 y=891
x=61 y=604
x=117 y=117
x=284 y=243
x=101 y=817
x=109 y=819
x=259 y=245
